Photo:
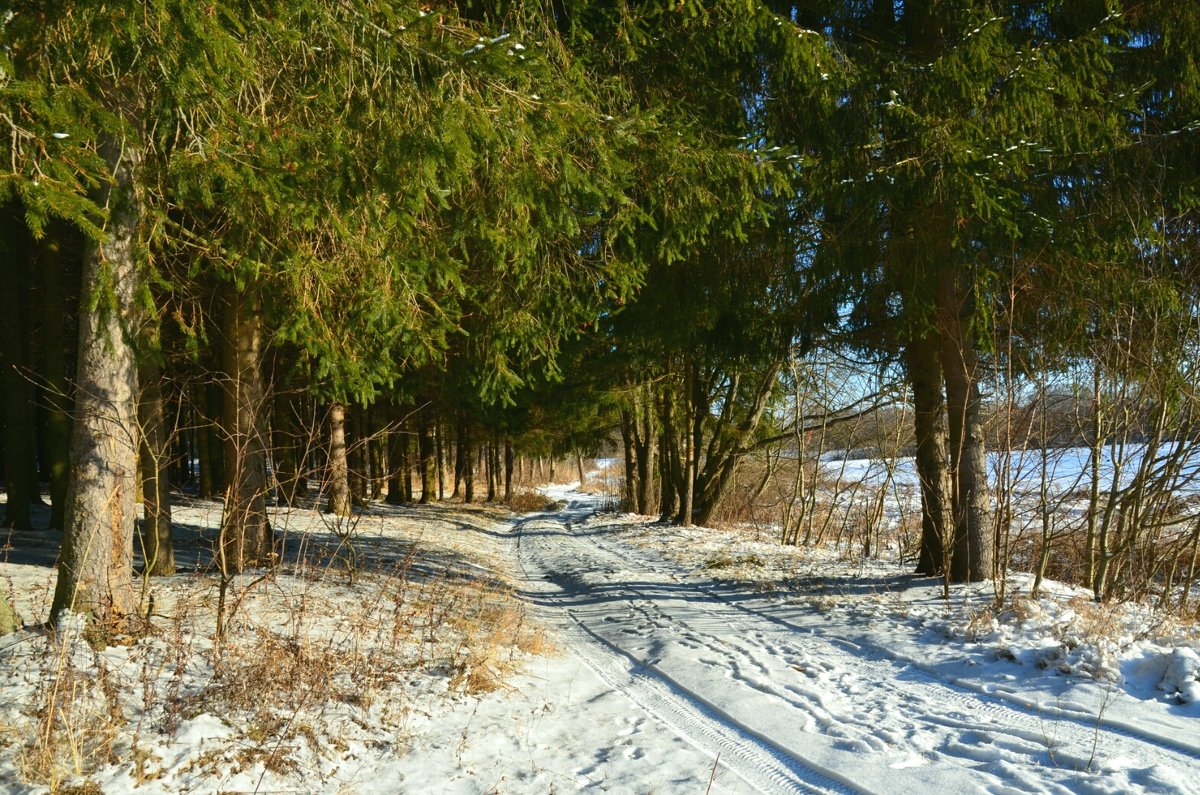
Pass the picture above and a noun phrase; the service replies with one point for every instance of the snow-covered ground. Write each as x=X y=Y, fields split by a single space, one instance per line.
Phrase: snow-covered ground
x=633 y=657
x=1067 y=468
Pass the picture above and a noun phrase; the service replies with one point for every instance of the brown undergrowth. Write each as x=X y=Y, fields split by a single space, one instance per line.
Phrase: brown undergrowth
x=310 y=662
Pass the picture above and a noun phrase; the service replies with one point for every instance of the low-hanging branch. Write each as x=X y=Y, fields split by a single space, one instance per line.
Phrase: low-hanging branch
x=877 y=400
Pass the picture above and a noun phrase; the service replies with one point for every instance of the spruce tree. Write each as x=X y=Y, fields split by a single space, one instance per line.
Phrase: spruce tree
x=953 y=109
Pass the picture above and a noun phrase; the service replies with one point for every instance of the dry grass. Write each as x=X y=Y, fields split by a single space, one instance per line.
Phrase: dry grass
x=306 y=663
x=530 y=502
x=494 y=635
x=722 y=561
x=74 y=723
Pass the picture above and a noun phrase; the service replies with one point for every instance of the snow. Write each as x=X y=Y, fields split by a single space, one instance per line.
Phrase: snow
x=654 y=658
x=1180 y=676
x=1068 y=468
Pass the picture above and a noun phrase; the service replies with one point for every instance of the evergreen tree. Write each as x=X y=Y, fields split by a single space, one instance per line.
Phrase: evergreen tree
x=953 y=109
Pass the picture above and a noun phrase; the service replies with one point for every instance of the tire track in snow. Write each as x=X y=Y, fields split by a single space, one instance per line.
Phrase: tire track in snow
x=730 y=655
x=1068 y=740
x=1093 y=736
x=966 y=692
x=753 y=758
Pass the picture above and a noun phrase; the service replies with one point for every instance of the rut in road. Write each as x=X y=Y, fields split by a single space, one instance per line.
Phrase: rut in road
x=791 y=712
x=755 y=761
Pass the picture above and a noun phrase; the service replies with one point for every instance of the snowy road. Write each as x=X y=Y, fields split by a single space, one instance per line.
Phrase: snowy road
x=784 y=703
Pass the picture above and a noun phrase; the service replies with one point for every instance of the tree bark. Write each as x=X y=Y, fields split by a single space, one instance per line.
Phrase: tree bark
x=287 y=453
x=730 y=439
x=440 y=455
x=628 y=500
x=643 y=439
x=933 y=473
x=9 y=621
x=246 y=538
x=54 y=371
x=158 y=551
x=689 y=447
x=668 y=457
x=95 y=568
x=489 y=453
x=209 y=447
x=971 y=558
x=356 y=458
x=508 y=471
x=459 y=456
x=397 y=460
x=376 y=450
x=468 y=466
x=20 y=455
x=183 y=437
x=426 y=452
x=338 y=469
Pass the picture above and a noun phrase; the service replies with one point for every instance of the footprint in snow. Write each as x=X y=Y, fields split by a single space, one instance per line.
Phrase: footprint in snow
x=635 y=726
x=854 y=746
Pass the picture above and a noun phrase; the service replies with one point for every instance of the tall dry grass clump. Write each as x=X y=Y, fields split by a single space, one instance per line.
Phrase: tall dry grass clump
x=303 y=663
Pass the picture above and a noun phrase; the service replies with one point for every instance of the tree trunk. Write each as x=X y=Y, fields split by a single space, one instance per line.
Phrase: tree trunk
x=689 y=447
x=489 y=453
x=9 y=621
x=375 y=453
x=158 y=551
x=208 y=441
x=397 y=461
x=929 y=421
x=182 y=438
x=666 y=484
x=427 y=454
x=498 y=464
x=579 y=466
x=409 y=463
x=54 y=371
x=356 y=458
x=338 y=468
x=459 y=457
x=668 y=458
x=287 y=452
x=508 y=471
x=644 y=444
x=971 y=558
x=246 y=538
x=730 y=438
x=628 y=501
x=95 y=566
x=468 y=467
x=441 y=460
x=1095 y=451
x=20 y=455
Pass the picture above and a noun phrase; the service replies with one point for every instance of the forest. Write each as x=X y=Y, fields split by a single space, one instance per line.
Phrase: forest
x=280 y=252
